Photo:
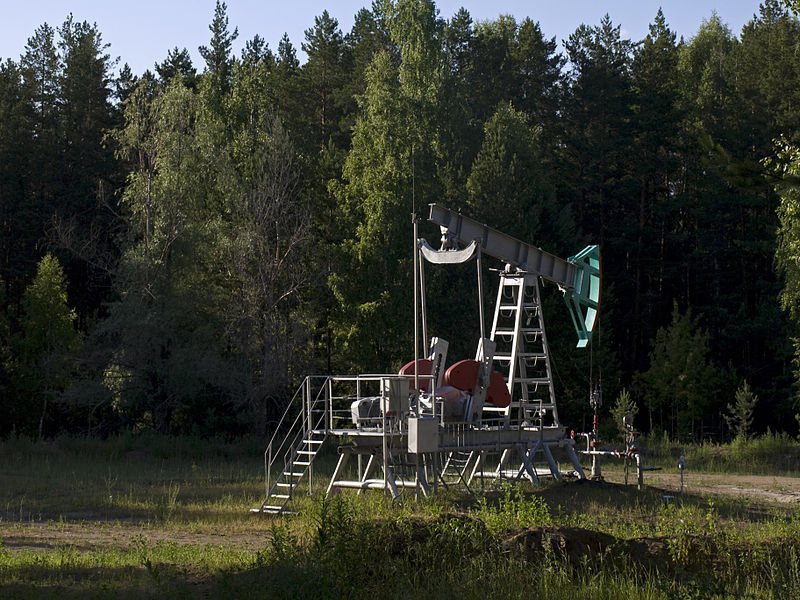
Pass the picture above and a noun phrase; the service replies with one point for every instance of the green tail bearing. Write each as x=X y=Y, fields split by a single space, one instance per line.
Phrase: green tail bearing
x=583 y=301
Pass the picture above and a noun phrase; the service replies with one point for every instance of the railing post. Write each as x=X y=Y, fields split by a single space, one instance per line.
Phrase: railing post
x=269 y=469
x=329 y=392
x=309 y=427
x=307 y=402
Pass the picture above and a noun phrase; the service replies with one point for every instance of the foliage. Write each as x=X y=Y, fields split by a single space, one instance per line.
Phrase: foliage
x=770 y=453
x=507 y=185
x=740 y=414
x=46 y=343
x=624 y=406
x=157 y=191
x=680 y=382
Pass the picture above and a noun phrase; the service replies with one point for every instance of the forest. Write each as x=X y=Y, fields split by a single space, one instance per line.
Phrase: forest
x=180 y=247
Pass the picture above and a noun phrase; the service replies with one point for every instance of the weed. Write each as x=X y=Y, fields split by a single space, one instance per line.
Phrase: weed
x=365 y=545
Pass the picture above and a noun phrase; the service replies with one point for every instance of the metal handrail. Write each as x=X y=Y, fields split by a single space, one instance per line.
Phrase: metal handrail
x=316 y=412
x=300 y=426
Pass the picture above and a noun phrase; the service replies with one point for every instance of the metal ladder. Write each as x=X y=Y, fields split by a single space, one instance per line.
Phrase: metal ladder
x=298 y=465
x=296 y=450
x=522 y=353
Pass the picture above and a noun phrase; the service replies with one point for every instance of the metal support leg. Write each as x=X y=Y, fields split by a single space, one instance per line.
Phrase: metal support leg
x=422 y=479
x=552 y=462
x=503 y=462
x=527 y=468
x=365 y=475
x=478 y=465
x=343 y=458
x=640 y=473
x=576 y=463
x=391 y=483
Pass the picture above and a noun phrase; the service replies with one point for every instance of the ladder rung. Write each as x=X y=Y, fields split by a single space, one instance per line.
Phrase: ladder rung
x=522 y=330
x=280 y=496
x=507 y=355
x=271 y=508
x=281 y=484
x=311 y=452
x=312 y=441
x=293 y=474
x=301 y=463
x=532 y=380
x=531 y=404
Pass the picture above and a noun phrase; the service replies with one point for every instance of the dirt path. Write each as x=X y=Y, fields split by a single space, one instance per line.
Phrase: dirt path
x=764 y=488
x=88 y=536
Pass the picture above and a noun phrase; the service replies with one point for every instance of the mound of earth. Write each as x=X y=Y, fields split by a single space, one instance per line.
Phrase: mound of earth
x=576 y=545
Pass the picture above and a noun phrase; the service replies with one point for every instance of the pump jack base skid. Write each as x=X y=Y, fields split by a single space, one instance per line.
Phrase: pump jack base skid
x=453 y=438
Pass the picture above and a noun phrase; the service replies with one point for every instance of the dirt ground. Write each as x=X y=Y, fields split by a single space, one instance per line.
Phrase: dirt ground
x=763 y=488
x=88 y=534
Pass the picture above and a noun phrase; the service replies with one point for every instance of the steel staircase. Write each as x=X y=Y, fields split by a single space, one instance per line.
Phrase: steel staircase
x=292 y=455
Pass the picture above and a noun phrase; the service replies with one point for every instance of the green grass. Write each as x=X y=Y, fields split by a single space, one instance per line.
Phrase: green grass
x=769 y=454
x=153 y=517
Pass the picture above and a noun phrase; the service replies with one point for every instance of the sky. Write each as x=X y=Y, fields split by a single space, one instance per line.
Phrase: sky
x=141 y=33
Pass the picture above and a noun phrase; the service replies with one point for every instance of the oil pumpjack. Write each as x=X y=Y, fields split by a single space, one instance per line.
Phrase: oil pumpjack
x=492 y=417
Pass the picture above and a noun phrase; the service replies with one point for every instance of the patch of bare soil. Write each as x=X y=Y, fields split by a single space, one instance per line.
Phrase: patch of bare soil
x=576 y=545
x=89 y=536
x=762 y=488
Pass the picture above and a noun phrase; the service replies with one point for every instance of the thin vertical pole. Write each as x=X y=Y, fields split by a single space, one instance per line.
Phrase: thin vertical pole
x=416 y=314
x=329 y=392
x=384 y=449
x=480 y=301
x=308 y=433
x=423 y=308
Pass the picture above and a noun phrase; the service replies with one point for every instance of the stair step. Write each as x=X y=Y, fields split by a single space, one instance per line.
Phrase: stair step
x=293 y=474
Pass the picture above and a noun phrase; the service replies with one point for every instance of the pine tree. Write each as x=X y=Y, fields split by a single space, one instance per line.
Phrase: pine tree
x=84 y=212
x=219 y=54
x=177 y=63
x=624 y=406
x=323 y=76
x=679 y=386
x=655 y=126
x=40 y=67
x=598 y=134
x=739 y=416
x=16 y=147
x=539 y=75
